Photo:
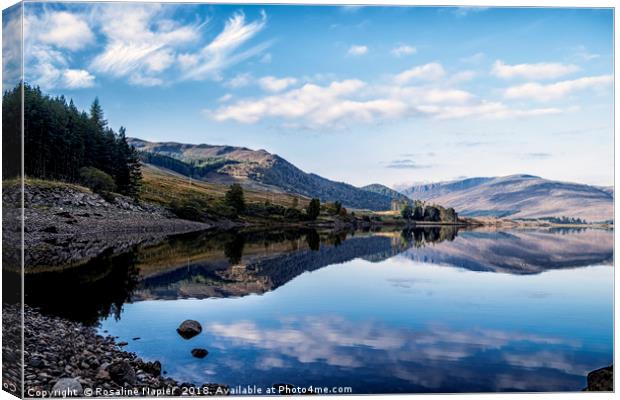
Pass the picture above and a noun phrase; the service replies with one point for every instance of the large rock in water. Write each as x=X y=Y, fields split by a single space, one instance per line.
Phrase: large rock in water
x=601 y=380
x=199 y=353
x=189 y=328
x=67 y=387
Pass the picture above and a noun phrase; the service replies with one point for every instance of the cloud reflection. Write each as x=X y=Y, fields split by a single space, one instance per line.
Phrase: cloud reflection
x=429 y=357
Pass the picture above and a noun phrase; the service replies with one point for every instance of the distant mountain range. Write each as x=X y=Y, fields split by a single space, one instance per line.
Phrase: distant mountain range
x=519 y=196
x=257 y=169
x=514 y=196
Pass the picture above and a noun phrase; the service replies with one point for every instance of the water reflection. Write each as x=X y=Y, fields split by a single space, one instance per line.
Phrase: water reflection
x=236 y=264
x=521 y=251
x=97 y=290
x=448 y=330
x=387 y=311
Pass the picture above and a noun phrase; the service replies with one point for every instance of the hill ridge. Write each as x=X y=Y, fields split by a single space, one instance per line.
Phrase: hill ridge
x=519 y=196
x=256 y=169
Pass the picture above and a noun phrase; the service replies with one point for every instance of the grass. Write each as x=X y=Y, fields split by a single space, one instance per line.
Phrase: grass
x=44 y=184
x=165 y=188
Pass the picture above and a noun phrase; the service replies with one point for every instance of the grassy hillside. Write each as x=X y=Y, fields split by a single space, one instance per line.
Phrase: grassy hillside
x=255 y=170
x=173 y=190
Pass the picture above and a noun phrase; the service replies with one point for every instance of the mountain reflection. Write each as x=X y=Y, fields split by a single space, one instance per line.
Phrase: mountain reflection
x=235 y=264
x=521 y=251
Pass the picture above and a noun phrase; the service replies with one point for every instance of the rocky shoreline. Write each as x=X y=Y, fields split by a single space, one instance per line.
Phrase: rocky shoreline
x=65 y=225
x=601 y=380
x=65 y=357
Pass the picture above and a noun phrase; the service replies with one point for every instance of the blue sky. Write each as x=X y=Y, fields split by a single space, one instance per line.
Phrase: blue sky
x=357 y=94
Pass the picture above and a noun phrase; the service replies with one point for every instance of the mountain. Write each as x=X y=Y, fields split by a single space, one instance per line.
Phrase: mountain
x=255 y=169
x=519 y=196
x=384 y=190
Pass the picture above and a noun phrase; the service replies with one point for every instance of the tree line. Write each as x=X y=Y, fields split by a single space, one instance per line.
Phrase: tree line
x=429 y=213
x=64 y=143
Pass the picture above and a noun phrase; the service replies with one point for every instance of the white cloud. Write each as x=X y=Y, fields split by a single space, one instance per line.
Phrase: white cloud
x=474 y=58
x=142 y=80
x=463 y=76
x=225 y=98
x=532 y=71
x=357 y=50
x=49 y=69
x=50 y=38
x=239 y=80
x=77 y=78
x=60 y=29
x=141 y=42
x=415 y=95
x=484 y=109
x=465 y=11
x=11 y=48
x=342 y=103
x=273 y=84
x=582 y=52
x=552 y=91
x=431 y=72
x=222 y=51
x=403 y=50
x=308 y=102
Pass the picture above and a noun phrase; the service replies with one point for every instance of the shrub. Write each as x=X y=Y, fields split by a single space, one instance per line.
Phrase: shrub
x=97 y=180
x=293 y=214
x=187 y=211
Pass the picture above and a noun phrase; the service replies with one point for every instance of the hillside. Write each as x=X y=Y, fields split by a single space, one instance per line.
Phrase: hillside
x=254 y=169
x=519 y=196
x=384 y=190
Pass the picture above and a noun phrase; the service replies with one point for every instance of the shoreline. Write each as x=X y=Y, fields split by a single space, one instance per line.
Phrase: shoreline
x=69 y=356
x=68 y=225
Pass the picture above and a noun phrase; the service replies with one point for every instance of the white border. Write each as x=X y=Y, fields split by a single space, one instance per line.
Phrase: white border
x=485 y=3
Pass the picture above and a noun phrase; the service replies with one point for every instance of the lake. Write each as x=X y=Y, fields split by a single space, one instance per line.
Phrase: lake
x=424 y=310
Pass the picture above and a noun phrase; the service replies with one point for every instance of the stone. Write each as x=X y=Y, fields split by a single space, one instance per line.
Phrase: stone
x=601 y=380
x=122 y=344
x=36 y=362
x=122 y=372
x=102 y=375
x=189 y=328
x=67 y=387
x=153 y=368
x=199 y=353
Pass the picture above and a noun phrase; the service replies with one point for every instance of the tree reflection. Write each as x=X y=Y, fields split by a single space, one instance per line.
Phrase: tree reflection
x=234 y=249
x=313 y=239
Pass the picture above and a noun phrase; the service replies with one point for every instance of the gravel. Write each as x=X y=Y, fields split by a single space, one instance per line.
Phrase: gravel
x=64 y=356
x=65 y=226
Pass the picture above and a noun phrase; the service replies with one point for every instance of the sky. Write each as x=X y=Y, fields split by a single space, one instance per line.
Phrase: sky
x=391 y=95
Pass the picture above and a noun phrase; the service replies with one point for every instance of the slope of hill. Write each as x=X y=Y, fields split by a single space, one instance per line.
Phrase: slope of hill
x=519 y=196
x=255 y=169
x=384 y=190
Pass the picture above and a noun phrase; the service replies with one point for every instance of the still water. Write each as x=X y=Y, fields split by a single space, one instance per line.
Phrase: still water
x=417 y=311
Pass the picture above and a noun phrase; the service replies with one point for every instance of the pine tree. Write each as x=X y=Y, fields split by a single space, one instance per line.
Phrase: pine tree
x=314 y=209
x=234 y=198
x=59 y=140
